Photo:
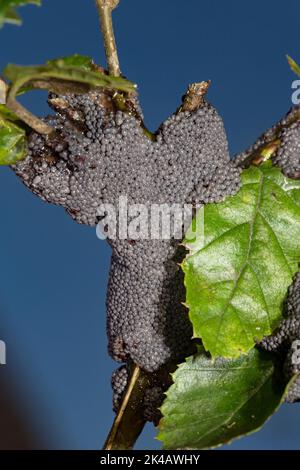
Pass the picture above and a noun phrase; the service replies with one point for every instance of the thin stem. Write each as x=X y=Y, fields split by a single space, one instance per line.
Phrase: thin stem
x=3 y=91
x=105 y=8
x=26 y=116
x=129 y=421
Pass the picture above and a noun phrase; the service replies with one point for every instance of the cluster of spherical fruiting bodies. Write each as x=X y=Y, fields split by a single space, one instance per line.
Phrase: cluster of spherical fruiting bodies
x=99 y=154
x=286 y=340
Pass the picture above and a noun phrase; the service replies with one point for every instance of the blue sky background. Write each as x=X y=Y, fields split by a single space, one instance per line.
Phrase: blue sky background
x=53 y=272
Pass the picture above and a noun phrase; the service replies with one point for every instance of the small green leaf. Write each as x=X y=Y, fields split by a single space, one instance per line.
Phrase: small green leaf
x=211 y=403
x=241 y=265
x=12 y=143
x=76 y=60
x=8 y=12
x=22 y=76
x=13 y=17
x=294 y=66
x=7 y=114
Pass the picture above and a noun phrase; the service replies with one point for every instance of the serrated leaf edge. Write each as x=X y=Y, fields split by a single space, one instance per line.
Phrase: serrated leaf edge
x=159 y=436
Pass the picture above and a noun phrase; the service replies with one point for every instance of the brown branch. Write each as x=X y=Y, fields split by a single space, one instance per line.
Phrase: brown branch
x=105 y=8
x=194 y=97
x=26 y=116
x=129 y=421
x=265 y=147
x=56 y=86
x=262 y=154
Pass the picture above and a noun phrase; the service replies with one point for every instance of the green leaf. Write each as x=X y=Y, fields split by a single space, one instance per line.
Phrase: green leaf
x=24 y=75
x=76 y=60
x=13 y=17
x=7 y=114
x=8 y=12
x=12 y=143
x=241 y=265
x=294 y=66
x=211 y=403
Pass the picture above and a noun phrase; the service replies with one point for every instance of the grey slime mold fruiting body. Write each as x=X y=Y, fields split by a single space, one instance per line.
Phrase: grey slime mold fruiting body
x=100 y=154
x=286 y=339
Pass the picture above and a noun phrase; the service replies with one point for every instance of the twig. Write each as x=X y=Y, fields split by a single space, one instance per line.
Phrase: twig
x=105 y=8
x=129 y=421
x=259 y=153
x=26 y=116
x=262 y=154
x=194 y=97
